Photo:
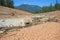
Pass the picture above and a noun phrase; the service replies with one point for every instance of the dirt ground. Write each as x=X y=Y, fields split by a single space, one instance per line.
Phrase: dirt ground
x=46 y=31
x=6 y=12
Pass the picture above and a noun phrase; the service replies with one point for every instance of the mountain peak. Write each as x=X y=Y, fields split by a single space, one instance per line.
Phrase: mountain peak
x=28 y=7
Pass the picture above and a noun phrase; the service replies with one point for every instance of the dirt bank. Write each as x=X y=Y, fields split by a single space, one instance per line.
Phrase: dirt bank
x=47 y=31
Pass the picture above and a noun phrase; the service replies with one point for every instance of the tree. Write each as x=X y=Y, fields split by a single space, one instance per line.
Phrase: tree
x=2 y=2
x=7 y=3
x=57 y=5
x=11 y=4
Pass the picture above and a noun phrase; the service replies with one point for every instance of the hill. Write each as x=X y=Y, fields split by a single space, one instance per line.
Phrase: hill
x=29 y=8
x=9 y=12
x=42 y=31
x=6 y=9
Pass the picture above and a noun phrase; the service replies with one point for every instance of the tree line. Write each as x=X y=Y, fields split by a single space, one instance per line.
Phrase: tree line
x=7 y=3
x=10 y=3
x=50 y=8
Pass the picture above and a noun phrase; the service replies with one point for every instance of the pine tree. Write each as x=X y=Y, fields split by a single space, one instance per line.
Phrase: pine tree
x=7 y=3
x=2 y=2
x=11 y=4
x=57 y=5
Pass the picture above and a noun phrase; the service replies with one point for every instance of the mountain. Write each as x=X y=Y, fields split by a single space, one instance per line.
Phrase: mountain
x=29 y=8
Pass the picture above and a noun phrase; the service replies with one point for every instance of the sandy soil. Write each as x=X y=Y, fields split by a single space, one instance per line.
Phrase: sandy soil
x=46 y=31
x=10 y=10
x=12 y=13
x=56 y=13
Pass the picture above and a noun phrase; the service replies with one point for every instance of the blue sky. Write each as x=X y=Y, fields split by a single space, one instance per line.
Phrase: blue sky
x=35 y=2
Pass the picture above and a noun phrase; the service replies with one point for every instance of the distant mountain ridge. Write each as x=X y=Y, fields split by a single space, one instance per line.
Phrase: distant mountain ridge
x=29 y=8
